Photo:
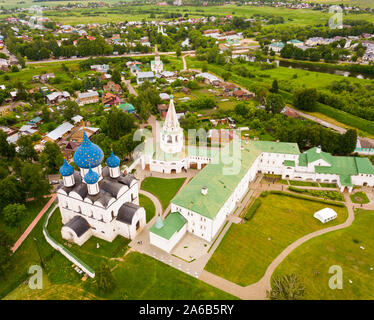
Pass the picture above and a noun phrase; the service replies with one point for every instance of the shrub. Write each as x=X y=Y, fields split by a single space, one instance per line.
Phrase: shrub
x=252 y=210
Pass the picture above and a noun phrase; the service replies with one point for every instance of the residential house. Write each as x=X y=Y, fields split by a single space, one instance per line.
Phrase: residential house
x=88 y=97
x=110 y=99
x=145 y=76
x=57 y=97
x=209 y=78
x=112 y=87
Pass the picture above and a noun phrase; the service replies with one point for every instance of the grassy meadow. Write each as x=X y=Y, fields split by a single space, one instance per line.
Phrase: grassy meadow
x=350 y=248
x=248 y=249
x=163 y=189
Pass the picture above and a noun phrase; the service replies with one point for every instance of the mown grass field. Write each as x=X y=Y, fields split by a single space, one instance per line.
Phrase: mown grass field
x=360 y=3
x=141 y=277
x=341 y=248
x=163 y=189
x=248 y=249
x=148 y=205
x=300 y=17
x=136 y=276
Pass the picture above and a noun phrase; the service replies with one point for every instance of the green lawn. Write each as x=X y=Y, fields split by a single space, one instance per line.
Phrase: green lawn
x=32 y=210
x=340 y=248
x=328 y=185
x=58 y=268
x=303 y=183
x=137 y=276
x=360 y=197
x=163 y=189
x=246 y=251
x=148 y=205
x=142 y=277
x=89 y=252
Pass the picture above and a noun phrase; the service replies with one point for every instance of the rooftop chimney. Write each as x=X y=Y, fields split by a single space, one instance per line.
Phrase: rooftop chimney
x=318 y=150
x=204 y=191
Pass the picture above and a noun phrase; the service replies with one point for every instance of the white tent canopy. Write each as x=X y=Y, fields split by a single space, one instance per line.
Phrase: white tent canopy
x=325 y=215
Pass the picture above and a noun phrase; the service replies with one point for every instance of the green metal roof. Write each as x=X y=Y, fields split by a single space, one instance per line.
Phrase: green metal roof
x=345 y=180
x=343 y=166
x=221 y=186
x=313 y=155
x=289 y=163
x=172 y=224
x=364 y=166
x=303 y=161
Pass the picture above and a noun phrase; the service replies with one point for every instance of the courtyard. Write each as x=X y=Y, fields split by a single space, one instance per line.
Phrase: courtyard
x=248 y=249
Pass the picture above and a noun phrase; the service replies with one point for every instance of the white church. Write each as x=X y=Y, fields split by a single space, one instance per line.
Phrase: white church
x=169 y=154
x=98 y=201
x=157 y=65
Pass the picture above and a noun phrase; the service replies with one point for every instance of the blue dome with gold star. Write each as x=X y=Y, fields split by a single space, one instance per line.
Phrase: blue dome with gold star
x=91 y=177
x=113 y=161
x=66 y=170
x=88 y=154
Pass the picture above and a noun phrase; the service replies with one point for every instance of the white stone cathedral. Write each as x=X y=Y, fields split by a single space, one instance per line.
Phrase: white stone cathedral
x=100 y=202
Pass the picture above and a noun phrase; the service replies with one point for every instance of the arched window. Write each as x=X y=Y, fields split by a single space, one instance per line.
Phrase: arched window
x=170 y=140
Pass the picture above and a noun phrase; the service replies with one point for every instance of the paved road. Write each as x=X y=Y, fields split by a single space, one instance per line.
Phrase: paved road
x=325 y=123
x=237 y=50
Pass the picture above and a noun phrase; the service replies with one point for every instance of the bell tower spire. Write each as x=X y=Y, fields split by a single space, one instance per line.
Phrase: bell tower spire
x=171 y=120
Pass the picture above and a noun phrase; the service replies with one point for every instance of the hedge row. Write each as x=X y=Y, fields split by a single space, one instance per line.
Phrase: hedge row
x=333 y=195
x=252 y=210
x=297 y=196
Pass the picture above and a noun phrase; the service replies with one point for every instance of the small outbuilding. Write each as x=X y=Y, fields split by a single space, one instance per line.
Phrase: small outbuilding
x=325 y=215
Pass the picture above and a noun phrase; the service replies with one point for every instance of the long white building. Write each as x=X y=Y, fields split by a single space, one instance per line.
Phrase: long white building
x=203 y=205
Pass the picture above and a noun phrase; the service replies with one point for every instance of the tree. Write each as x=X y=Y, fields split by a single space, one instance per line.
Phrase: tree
x=13 y=214
x=34 y=181
x=88 y=84
x=26 y=149
x=104 y=278
x=116 y=76
x=226 y=75
x=242 y=109
x=11 y=191
x=305 y=99
x=5 y=252
x=348 y=141
x=6 y=150
x=51 y=158
x=274 y=103
x=117 y=123
x=274 y=87
x=178 y=52
x=71 y=109
x=287 y=287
